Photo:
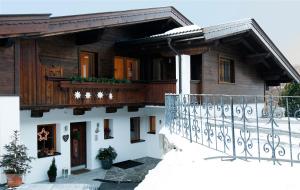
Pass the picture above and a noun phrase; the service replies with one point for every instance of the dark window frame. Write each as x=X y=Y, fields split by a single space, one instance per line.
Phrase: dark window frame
x=43 y=146
x=152 y=125
x=93 y=69
x=107 y=129
x=222 y=71
x=135 y=130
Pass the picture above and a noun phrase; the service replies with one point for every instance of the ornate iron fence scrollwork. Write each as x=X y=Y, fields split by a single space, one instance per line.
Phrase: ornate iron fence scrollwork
x=244 y=127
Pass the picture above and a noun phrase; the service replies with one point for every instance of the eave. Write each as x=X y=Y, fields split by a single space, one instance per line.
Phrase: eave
x=44 y=25
x=250 y=25
x=209 y=35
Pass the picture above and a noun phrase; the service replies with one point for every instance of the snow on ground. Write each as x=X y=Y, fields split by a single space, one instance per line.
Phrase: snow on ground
x=186 y=168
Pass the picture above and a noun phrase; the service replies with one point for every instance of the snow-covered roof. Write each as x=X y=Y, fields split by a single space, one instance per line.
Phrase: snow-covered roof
x=222 y=31
x=179 y=31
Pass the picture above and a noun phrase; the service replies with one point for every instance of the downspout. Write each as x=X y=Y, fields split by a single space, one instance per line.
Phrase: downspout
x=179 y=64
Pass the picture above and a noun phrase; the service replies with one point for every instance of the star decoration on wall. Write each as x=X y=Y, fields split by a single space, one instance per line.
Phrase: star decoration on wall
x=100 y=95
x=88 y=95
x=77 y=95
x=110 y=96
x=43 y=135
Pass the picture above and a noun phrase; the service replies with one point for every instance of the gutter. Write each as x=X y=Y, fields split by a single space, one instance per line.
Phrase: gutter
x=179 y=66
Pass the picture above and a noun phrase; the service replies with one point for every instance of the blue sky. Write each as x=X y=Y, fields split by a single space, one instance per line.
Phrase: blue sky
x=279 y=19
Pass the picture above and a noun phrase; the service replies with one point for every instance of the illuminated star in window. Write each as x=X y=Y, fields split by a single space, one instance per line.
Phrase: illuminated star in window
x=110 y=96
x=77 y=95
x=100 y=95
x=43 y=135
x=88 y=95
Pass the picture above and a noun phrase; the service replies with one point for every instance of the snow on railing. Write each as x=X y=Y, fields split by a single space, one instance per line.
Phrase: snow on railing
x=243 y=127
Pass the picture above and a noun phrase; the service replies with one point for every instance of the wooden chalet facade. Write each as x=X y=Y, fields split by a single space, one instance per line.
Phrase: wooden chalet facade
x=40 y=54
x=38 y=60
x=104 y=76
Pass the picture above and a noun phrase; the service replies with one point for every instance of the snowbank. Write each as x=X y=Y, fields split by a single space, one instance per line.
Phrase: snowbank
x=186 y=168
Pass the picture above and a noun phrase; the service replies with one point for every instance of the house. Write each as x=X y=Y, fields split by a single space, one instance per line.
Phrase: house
x=73 y=84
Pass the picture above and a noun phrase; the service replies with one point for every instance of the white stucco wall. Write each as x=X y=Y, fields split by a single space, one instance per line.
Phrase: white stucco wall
x=9 y=121
x=186 y=73
x=120 y=122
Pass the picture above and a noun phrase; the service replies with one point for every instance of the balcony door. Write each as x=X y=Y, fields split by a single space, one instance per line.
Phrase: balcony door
x=126 y=68
x=119 y=68
x=88 y=64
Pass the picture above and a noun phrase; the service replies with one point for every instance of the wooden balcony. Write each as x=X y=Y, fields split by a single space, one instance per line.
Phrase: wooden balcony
x=60 y=93
x=196 y=87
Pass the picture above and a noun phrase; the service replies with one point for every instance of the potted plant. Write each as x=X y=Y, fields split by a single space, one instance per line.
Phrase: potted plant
x=15 y=161
x=52 y=172
x=106 y=156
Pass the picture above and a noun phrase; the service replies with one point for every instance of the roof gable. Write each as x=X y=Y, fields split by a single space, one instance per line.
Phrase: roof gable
x=76 y=23
x=221 y=31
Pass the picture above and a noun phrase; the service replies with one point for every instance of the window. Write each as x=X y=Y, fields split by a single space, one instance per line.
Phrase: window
x=107 y=129
x=196 y=67
x=226 y=70
x=152 y=125
x=126 y=68
x=88 y=64
x=163 y=68
x=135 y=130
x=46 y=140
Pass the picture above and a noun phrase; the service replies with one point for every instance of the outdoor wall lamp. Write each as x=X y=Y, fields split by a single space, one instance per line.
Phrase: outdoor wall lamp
x=97 y=128
x=66 y=128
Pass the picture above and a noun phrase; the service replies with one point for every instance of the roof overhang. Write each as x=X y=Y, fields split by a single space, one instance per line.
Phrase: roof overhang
x=250 y=25
x=18 y=25
x=44 y=25
x=214 y=33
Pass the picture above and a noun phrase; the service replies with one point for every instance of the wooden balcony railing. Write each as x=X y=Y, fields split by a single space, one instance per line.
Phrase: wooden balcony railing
x=60 y=92
x=196 y=87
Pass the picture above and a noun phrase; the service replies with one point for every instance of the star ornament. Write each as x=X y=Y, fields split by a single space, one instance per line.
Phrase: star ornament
x=100 y=95
x=77 y=95
x=110 y=96
x=88 y=95
x=43 y=135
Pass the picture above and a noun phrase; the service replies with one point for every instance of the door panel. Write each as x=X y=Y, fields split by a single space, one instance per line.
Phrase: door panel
x=88 y=64
x=132 y=69
x=78 y=144
x=119 y=68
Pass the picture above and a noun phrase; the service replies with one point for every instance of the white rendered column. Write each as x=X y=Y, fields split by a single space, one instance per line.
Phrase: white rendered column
x=9 y=122
x=185 y=74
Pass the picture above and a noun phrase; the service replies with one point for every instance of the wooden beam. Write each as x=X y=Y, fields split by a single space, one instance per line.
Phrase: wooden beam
x=80 y=111
x=87 y=37
x=132 y=108
x=38 y=113
x=259 y=61
x=248 y=46
x=112 y=109
x=236 y=39
x=17 y=66
x=258 y=55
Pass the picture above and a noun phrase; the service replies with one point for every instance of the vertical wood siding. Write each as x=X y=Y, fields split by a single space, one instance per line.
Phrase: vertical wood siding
x=7 y=79
x=247 y=79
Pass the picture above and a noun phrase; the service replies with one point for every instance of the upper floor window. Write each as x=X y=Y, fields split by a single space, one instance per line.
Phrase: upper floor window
x=226 y=70
x=126 y=68
x=196 y=67
x=88 y=64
